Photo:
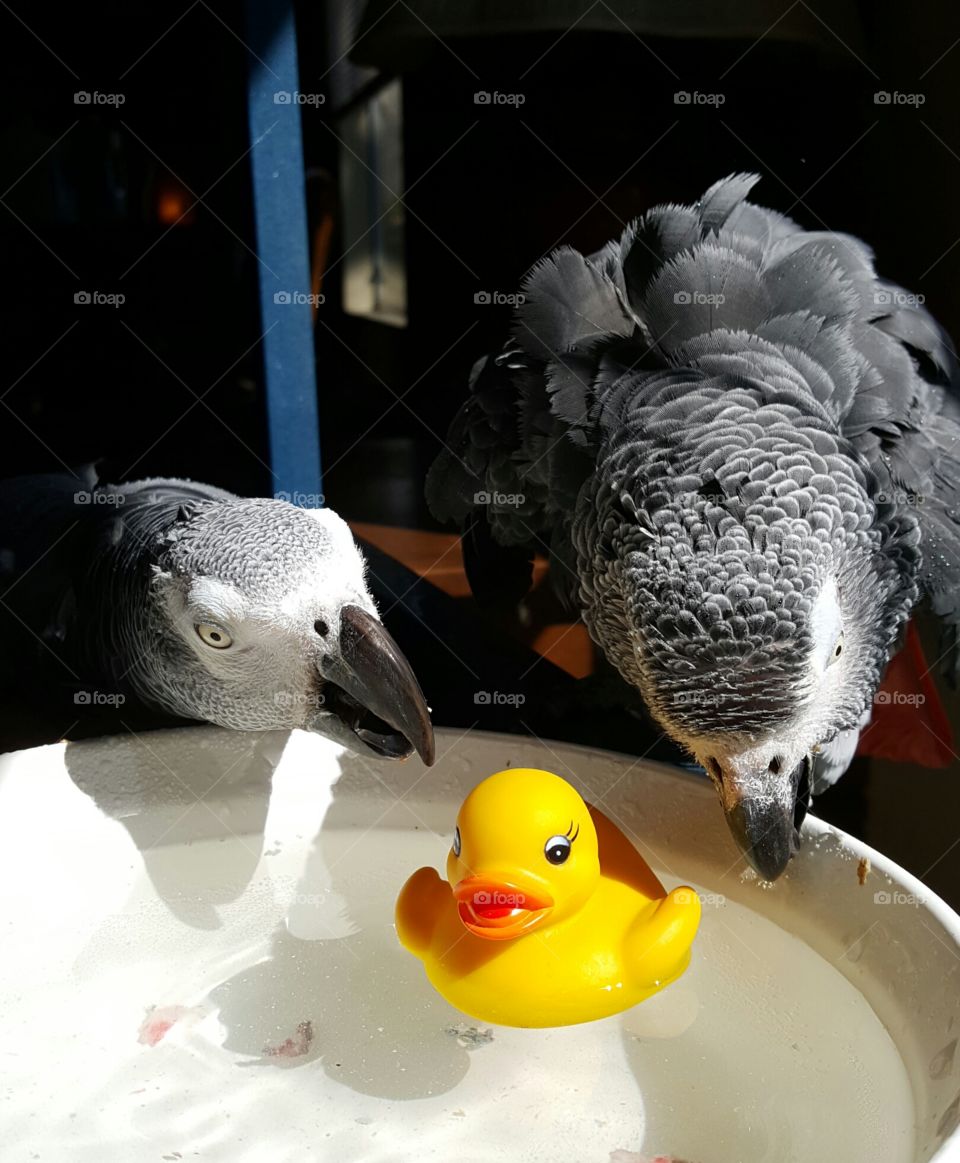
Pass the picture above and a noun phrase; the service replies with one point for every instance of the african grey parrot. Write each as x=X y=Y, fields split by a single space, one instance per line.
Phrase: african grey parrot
x=252 y=614
x=741 y=450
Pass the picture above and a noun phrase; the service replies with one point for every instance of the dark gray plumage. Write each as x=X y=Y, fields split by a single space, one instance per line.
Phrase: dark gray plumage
x=740 y=447
x=249 y=613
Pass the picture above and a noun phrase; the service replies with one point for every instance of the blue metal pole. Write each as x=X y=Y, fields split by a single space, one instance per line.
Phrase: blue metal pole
x=280 y=212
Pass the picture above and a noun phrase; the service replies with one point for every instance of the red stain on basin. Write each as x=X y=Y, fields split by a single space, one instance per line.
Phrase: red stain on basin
x=294 y=1047
x=160 y=1020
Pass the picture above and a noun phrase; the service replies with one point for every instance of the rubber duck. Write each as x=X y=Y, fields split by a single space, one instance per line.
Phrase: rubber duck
x=548 y=916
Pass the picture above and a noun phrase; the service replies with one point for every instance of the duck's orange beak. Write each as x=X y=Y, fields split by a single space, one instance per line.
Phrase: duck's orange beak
x=498 y=909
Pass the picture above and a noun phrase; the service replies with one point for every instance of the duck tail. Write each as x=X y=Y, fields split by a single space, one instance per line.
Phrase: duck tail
x=417 y=909
x=659 y=944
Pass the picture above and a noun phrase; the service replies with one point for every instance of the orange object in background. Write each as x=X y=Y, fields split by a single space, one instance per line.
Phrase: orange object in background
x=174 y=204
x=438 y=559
x=909 y=723
x=567 y=645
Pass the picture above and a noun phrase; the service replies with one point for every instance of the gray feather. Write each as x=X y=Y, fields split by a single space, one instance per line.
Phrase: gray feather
x=743 y=410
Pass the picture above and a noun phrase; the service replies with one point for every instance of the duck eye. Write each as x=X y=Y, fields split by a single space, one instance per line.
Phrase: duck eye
x=557 y=849
x=456 y=841
x=214 y=635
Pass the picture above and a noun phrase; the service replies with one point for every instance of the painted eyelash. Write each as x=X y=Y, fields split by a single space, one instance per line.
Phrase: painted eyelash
x=573 y=837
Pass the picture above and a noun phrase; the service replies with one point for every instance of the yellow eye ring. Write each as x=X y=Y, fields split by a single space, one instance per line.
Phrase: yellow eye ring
x=213 y=635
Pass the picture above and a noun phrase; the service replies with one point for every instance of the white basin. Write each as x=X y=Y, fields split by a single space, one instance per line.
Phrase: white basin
x=198 y=961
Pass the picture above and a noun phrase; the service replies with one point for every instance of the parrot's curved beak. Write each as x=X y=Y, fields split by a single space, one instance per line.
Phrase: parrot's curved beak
x=371 y=688
x=765 y=815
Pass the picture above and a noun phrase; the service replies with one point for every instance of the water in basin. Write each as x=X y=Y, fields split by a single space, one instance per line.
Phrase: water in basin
x=243 y=996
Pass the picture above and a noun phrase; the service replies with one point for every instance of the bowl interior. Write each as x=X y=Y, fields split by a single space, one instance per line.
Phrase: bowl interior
x=199 y=956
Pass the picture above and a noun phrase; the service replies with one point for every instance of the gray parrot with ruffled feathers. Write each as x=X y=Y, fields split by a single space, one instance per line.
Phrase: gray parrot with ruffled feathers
x=741 y=450
x=249 y=613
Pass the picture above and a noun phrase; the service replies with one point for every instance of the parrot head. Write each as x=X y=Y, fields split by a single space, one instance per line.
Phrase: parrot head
x=765 y=666
x=259 y=618
x=756 y=626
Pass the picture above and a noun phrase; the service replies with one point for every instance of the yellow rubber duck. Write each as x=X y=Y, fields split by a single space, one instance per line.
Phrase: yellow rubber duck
x=549 y=916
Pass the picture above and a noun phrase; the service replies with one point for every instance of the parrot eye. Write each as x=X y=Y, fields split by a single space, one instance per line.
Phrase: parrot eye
x=837 y=650
x=456 y=841
x=214 y=635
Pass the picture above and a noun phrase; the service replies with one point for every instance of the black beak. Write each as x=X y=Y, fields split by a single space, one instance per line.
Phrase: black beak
x=372 y=688
x=767 y=828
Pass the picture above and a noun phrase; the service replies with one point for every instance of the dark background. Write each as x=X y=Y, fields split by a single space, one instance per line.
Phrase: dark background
x=89 y=194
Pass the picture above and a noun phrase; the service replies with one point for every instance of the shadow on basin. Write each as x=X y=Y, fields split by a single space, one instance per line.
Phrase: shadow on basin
x=334 y=988
x=375 y=1023
x=212 y=785
x=359 y=1010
